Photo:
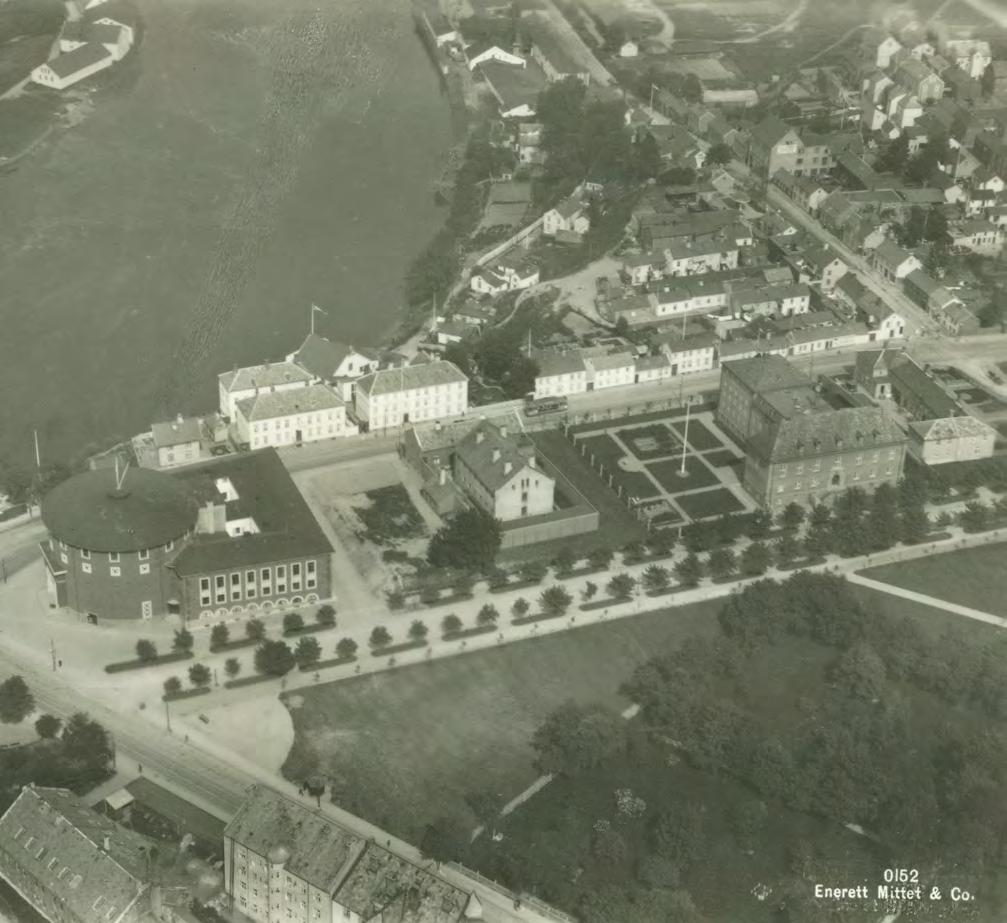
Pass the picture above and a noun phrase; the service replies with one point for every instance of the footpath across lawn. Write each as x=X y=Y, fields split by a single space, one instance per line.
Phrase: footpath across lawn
x=974 y=577
x=405 y=747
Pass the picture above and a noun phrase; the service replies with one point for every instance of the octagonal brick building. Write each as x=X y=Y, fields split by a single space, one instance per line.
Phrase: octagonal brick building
x=109 y=542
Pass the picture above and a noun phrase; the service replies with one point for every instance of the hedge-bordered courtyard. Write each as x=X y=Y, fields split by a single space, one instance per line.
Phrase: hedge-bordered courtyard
x=641 y=460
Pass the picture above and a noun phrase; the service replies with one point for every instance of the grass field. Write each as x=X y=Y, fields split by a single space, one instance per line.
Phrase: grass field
x=974 y=577
x=701 y=438
x=709 y=503
x=696 y=475
x=405 y=747
x=653 y=441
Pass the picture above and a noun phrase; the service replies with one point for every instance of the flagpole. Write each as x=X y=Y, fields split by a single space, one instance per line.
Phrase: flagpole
x=38 y=459
x=685 y=438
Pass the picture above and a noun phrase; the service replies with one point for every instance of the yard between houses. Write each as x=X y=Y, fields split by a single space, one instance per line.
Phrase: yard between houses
x=975 y=577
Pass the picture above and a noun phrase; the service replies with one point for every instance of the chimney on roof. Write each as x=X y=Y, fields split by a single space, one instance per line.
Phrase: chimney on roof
x=531 y=461
x=496 y=455
x=480 y=436
x=503 y=432
x=106 y=844
x=442 y=476
x=508 y=467
x=180 y=418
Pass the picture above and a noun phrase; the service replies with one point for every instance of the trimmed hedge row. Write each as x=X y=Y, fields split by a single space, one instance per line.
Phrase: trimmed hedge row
x=160 y=660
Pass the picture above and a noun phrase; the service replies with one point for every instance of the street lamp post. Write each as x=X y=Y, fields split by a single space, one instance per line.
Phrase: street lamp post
x=167 y=716
x=685 y=438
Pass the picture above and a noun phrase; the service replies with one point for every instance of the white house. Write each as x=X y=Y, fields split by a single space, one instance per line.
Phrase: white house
x=690 y=296
x=394 y=397
x=688 y=258
x=951 y=439
x=177 y=442
x=653 y=368
x=500 y=472
x=568 y=215
x=505 y=274
x=892 y=261
x=560 y=374
x=329 y=361
x=67 y=69
x=978 y=235
x=610 y=370
x=270 y=377
x=692 y=353
x=629 y=49
x=885 y=51
x=279 y=418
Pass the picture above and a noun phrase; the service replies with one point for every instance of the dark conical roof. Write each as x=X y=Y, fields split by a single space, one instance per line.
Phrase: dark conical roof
x=149 y=509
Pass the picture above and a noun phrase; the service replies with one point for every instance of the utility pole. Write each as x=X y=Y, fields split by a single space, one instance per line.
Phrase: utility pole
x=167 y=716
x=38 y=458
x=52 y=651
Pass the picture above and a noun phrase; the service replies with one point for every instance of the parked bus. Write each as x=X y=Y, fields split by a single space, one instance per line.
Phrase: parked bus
x=543 y=405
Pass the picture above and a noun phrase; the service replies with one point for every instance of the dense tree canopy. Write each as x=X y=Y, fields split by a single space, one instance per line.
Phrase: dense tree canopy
x=469 y=541
x=576 y=737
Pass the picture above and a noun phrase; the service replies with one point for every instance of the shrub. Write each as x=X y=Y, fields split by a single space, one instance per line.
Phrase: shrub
x=232 y=667
x=380 y=637
x=274 y=658
x=219 y=636
x=451 y=624
x=621 y=586
x=183 y=642
x=146 y=650
x=47 y=726
x=172 y=685
x=307 y=652
x=199 y=675
x=418 y=631
x=16 y=700
x=326 y=615
x=520 y=607
x=255 y=629
x=292 y=622
x=346 y=648
x=555 y=600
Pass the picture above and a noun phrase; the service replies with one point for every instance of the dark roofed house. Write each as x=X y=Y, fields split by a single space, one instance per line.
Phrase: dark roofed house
x=892 y=373
x=327 y=360
x=73 y=864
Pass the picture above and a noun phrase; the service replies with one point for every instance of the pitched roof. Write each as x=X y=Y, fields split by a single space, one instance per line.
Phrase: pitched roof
x=494 y=455
x=267 y=375
x=810 y=434
x=770 y=130
x=616 y=360
x=321 y=356
x=66 y=65
x=911 y=379
x=436 y=436
x=565 y=363
x=267 y=494
x=891 y=254
x=317 y=849
x=87 y=879
x=766 y=373
x=177 y=432
x=428 y=375
x=953 y=428
x=270 y=405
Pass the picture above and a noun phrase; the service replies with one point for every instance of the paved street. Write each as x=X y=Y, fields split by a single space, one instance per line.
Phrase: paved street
x=917 y=319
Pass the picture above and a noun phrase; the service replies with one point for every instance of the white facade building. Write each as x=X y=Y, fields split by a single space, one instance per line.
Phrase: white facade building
x=561 y=374
x=291 y=417
x=610 y=371
x=239 y=384
x=394 y=397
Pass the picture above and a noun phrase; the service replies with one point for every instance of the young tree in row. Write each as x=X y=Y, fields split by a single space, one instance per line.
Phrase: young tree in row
x=346 y=648
x=791 y=517
x=232 y=667
x=554 y=600
x=520 y=607
x=273 y=658
x=721 y=563
x=220 y=634
x=308 y=652
x=589 y=591
x=488 y=615
x=326 y=616
x=255 y=629
x=292 y=623
x=689 y=571
x=470 y=540
x=380 y=637
x=200 y=675
x=451 y=624
x=656 y=579
x=418 y=631
x=172 y=686
x=183 y=641
x=396 y=599
x=600 y=558
x=755 y=559
x=146 y=650
x=564 y=562
x=787 y=549
x=621 y=586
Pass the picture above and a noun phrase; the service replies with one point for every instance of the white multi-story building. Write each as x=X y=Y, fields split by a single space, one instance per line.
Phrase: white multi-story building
x=568 y=215
x=692 y=353
x=951 y=439
x=686 y=297
x=177 y=442
x=500 y=472
x=394 y=397
x=251 y=381
x=279 y=418
x=688 y=258
x=610 y=370
x=560 y=374
x=505 y=274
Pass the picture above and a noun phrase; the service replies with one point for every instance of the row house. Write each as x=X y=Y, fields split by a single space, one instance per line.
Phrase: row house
x=294 y=417
x=550 y=51
x=690 y=296
x=560 y=374
x=893 y=262
x=395 y=397
x=977 y=235
x=610 y=370
x=687 y=258
x=771 y=300
x=917 y=78
x=641 y=268
x=693 y=352
x=806 y=191
x=269 y=378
